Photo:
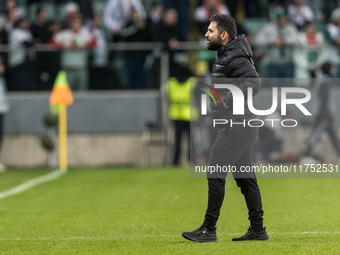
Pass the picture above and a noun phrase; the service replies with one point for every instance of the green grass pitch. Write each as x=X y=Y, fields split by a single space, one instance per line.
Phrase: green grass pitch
x=144 y=211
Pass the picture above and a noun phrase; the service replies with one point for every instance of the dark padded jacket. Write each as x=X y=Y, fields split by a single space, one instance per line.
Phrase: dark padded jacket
x=234 y=65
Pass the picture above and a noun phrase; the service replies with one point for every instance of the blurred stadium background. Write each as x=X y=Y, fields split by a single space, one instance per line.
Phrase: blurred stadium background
x=119 y=64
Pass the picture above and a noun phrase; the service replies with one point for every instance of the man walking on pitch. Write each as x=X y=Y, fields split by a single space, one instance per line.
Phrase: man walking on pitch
x=234 y=143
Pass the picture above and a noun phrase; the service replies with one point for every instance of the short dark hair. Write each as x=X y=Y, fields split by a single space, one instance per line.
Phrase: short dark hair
x=225 y=23
x=39 y=10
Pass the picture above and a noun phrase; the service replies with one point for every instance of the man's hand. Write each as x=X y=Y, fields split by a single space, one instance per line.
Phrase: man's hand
x=278 y=42
x=173 y=43
x=338 y=40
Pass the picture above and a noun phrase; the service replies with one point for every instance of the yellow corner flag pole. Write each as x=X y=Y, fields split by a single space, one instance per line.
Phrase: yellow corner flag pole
x=60 y=98
x=63 y=137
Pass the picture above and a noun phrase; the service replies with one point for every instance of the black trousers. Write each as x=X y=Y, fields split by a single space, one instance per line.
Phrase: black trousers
x=180 y=128
x=234 y=147
x=321 y=125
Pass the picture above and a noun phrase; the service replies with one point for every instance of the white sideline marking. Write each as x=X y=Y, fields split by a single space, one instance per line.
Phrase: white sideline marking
x=31 y=183
x=141 y=236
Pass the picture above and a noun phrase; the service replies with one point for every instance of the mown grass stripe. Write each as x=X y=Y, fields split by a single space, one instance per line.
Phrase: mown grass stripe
x=31 y=183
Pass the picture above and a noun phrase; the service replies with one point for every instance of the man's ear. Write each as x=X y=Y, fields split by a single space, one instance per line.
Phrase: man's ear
x=225 y=36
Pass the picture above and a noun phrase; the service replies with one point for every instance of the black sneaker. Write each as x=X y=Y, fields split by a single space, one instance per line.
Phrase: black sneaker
x=253 y=235
x=201 y=235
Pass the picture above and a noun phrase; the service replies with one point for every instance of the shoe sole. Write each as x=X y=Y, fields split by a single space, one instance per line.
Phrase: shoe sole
x=267 y=239
x=198 y=240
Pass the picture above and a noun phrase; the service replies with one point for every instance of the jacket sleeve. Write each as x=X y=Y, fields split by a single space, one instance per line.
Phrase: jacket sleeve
x=111 y=17
x=266 y=36
x=243 y=71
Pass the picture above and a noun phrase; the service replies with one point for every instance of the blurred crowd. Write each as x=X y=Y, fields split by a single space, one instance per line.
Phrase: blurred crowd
x=290 y=38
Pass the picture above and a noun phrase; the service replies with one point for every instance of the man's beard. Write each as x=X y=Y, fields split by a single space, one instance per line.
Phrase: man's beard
x=215 y=45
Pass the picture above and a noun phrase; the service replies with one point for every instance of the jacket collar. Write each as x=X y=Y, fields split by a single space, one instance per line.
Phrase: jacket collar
x=230 y=44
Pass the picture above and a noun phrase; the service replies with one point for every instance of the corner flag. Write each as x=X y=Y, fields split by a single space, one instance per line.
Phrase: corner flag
x=61 y=97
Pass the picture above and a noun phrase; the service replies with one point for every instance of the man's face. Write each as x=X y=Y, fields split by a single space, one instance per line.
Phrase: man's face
x=214 y=40
x=76 y=25
x=170 y=17
x=282 y=21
